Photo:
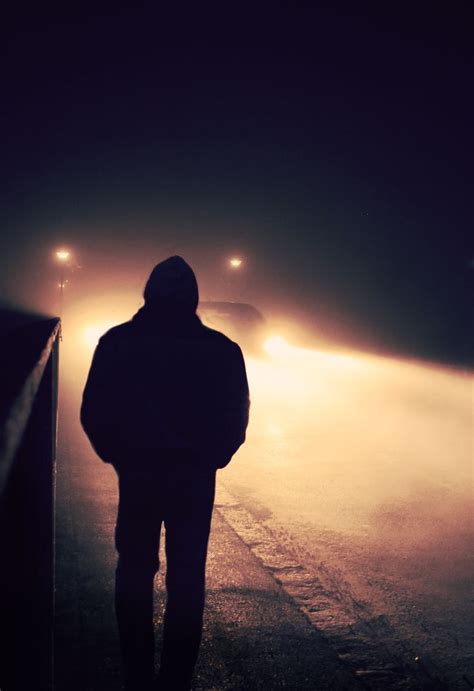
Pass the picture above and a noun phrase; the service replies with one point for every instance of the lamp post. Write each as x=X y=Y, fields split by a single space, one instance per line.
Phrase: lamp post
x=62 y=257
x=230 y=281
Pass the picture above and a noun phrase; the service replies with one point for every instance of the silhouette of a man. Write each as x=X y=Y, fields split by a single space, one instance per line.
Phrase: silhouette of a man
x=166 y=403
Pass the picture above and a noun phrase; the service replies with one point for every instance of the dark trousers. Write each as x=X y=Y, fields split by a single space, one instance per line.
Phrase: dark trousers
x=182 y=499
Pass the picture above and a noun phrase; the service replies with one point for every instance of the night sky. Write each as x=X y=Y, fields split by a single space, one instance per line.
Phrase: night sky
x=332 y=149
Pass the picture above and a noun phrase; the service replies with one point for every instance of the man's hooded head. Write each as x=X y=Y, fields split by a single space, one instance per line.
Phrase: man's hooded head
x=172 y=285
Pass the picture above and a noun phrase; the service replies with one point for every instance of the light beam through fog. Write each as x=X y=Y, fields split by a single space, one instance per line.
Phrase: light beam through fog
x=356 y=432
x=363 y=465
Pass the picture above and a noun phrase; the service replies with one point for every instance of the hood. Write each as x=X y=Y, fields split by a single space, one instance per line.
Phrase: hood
x=172 y=286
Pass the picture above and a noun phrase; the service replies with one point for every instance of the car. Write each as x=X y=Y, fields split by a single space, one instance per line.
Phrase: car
x=239 y=321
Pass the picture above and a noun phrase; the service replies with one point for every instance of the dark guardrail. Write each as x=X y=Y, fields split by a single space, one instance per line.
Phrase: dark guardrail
x=28 y=412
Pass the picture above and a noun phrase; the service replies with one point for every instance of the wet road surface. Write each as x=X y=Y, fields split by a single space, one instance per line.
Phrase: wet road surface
x=360 y=469
x=353 y=493
x=255 y=636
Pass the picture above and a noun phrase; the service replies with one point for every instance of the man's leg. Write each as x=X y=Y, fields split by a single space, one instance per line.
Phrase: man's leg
x=137 y=541
x=187 y=523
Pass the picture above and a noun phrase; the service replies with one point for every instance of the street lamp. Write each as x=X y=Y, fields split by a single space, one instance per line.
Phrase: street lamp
x=62 y=257
x=235 y=262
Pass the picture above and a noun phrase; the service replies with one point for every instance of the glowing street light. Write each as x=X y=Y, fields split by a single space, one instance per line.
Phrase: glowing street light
x=63 y=255
x=235 y=262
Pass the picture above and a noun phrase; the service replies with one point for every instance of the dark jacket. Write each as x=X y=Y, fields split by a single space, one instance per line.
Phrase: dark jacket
x=163 y=383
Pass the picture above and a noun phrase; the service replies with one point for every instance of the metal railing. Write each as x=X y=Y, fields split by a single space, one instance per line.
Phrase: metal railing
x=28 y=421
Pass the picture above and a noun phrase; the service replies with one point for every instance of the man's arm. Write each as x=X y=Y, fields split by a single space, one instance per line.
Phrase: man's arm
x=97 y=407
x=236 y=405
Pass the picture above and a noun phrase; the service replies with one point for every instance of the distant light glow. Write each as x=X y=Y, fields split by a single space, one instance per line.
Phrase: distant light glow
x=91 y=334
x=63 y=255
x=235 y=262
x=276 y=345
x=274 y=429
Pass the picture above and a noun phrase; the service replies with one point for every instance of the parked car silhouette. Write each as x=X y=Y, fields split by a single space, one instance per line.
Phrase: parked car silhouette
x=239 y=321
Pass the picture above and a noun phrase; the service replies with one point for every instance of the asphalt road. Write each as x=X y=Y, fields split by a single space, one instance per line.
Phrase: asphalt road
x=353 y=494
x=255 y=635
x=360 y=469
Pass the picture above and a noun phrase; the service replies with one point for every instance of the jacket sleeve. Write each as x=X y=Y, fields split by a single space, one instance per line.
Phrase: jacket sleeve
x=98 y=409
x=236 y=406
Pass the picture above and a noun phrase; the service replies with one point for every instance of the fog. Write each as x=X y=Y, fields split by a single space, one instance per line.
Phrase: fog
x=375 y=447
x=360 y=437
